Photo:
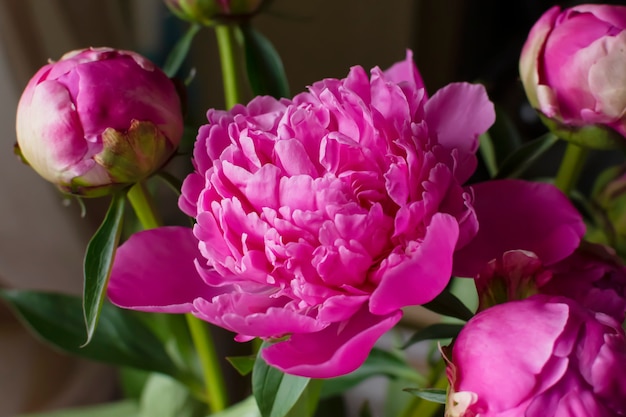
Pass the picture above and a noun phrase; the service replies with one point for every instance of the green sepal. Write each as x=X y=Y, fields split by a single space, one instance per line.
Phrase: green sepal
x=590 y=136
x=132 y=155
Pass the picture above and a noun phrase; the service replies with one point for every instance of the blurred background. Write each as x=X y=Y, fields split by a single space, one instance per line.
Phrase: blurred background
x=42 y=238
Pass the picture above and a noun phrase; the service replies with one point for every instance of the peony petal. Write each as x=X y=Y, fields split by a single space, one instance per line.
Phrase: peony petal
x=482 y=350
x=337 y=350
x=154 y=271
x=452 y=103
x=422 y=275
x=520 y=215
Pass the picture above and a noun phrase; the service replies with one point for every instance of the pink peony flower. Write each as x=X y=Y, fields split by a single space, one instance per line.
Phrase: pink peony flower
x=98 y=118
x=540 y=357
x=592 y=275
x=318 y=218
x=573 y=68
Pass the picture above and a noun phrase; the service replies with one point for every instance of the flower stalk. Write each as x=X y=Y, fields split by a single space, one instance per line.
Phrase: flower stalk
x=226 y=43
x=571 y=166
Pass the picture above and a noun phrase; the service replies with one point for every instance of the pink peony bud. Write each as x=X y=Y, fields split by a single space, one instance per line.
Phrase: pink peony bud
x=540 y=357
x=98 y=119
x=573 y=68
x=208 y=12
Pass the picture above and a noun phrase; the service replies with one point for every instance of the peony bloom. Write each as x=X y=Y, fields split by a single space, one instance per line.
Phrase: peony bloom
x=208 y=11
x=98 y=118
x=592 y=275
x=318 y=218
x=540 y=357
x=573 y=68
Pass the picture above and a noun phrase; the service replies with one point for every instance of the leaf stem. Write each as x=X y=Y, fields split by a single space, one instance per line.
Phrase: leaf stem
x=214 y=385
x=571 y=167
x=229 y=61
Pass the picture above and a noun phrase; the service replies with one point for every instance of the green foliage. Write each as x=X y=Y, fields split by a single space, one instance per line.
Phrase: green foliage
x=434 y=332
x=179 y=52
x=99 y=261
x=166 y=397
x=263 y=64
x=430 y=394
x=448 y=304
x=120 y=339
x=276 y=393
x=525 y=156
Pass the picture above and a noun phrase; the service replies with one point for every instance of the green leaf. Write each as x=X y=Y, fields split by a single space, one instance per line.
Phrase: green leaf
x=263 y=64
x=518 y=162
x=499 y=142
x=276 y=393
x=99 y=260
x=179 y=52
x=120 y=339
x=434 y=331
x=118 y=409
x=430 y=394
x=166 y=397
x=245 y=408
x=379 y=362
x=243 y=364
x=448 y=304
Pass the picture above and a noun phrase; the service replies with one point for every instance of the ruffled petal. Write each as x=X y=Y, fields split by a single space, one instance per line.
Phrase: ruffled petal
x=520 y=215
x=418 y=277
x=337 y=350
x=154 y=271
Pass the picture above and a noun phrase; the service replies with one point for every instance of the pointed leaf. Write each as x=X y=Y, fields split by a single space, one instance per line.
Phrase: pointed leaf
x=517 y=163
x=263 y=64
x=499 y=142
x=430 y=394
x=448 y=304
x=120 y=339
x=179 y=52
x=434 y=331
x=276 y=393
x=99 y=260
x=243 y=364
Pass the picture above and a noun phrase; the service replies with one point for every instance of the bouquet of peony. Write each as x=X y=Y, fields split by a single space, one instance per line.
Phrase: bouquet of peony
x=317 y=220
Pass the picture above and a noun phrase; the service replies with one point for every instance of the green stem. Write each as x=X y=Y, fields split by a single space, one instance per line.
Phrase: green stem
x=230 y=63
x=215 y=388
x=215 y=384
x=571 y=167
x=144 y=206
